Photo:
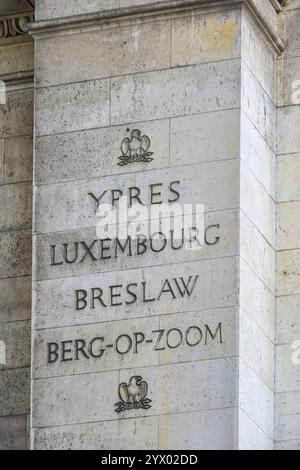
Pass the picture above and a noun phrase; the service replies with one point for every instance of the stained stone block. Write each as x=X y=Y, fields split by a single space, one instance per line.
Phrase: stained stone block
x=55 y=300
x=18 y=159
x=258 y=106
x=104 y=53
x=288 y=373
x=16 y=57
x=198 y=146
x=257 y=300
x=54 y=201
x=59 y=157
x=15 y=299
x=287 y=445
x=287 y=325
x=16 y=336
x=2 y=161
x=205 y=430
x=129 y=434
x=137 y=343
x=257 y=156
x=15 y=403
x=72 y=107
x=20 y=106
x=288 y=141
x=261 y=411
x=15 y=253
x=258 y=205
x=112 y=258
x=288 y=225
x=251 y=436
x=257 y=252
x=292 y=19
x=191 y=90
x=206 y=38
x=57 y=8
x=288 y=169
x=259 y=56
x=210 y=386
x=16 y=207
x=13 y=433
x=287 y=420
x=289 y=93
x=257 y=350
x=288 y=272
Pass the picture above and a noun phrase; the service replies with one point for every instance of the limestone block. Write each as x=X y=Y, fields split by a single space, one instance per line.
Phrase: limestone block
x=13 y=432
x=92 y=397
x=289 y=92
x=135 y=343
x=104 y=53
x=288 y=225
x=292 y=20
x=204 y=430
x=257 y=350
x=287 y=370
x=15 y=299
x=258 y=205
x=190 y=90
x=16 y=336
x=206 y=38
x=15 y=253
x=16 y=58
x=72 y=107
x=15 y=403
x=259 y=56
x=2 y=161
x=257 y=155
x=56 y=8
x=287 y=319
x=288 y=272
x=69 y=206
x=125 y=434
x=108 y=255
x=251 y=436
x=287 y=445
x=257 y=300
x=16 y=206
x=262 y=410
x=257 y=252
x=258 y=106
x=199 y=146
x=287 y=418
x=55 y=301
x=60 y=157
x=288 y=170
x=288 y=139
x=15 y=115
x=18 y=159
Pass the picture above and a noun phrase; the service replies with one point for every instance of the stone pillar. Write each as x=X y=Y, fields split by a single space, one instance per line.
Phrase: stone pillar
x=288 y=230
x=197 y=80
x=16 y=122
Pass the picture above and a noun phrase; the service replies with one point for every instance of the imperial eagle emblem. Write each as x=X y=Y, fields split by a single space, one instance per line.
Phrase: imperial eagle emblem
x=135 y=149
x=133 y=395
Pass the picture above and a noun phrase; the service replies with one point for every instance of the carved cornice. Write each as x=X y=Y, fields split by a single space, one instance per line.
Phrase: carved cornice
x=16 y=26
x=95 y=20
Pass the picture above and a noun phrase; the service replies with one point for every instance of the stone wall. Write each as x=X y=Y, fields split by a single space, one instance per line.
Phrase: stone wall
x=288 y=236
x=16 y=123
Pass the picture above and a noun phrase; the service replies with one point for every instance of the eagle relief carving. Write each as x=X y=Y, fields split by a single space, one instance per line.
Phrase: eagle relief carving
x=135 y=149
x=133 y=395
